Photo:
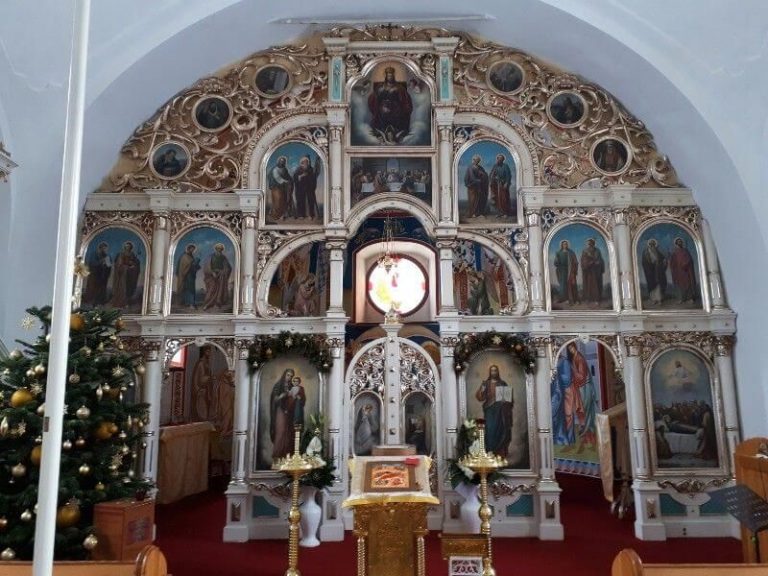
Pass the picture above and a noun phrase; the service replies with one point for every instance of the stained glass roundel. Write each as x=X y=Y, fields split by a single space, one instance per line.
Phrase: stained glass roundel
x=403 y=287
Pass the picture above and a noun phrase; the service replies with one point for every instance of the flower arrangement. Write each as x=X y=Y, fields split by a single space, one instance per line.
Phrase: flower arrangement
x=472 y=343
x=311 y=346
x=312 y=446
x=467 y=442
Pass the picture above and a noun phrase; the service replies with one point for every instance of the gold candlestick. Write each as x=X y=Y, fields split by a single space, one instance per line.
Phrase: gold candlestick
x=484 y=463
x=295 y=465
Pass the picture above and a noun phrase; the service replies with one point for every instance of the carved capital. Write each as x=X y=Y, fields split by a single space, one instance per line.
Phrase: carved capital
x=724 y=344
x=620 y=216
x=151 y=349
x=634 y=345
x=533 y=219
x=161 y=221
x=242 y=345
x=249 y=221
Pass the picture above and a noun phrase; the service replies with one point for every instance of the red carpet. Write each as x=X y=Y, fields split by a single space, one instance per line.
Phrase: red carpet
x=189 y=533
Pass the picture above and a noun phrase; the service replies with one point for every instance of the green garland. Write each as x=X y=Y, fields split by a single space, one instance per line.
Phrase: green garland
x=313 y=347
x=472 y=343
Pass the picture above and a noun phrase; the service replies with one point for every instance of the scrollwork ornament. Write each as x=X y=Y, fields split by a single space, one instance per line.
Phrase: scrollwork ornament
x=724 y=344
x=693 y=486
x=602 y=217
x=368 y=373
x=242 y=345
x=637 y=216
x=415 y=373
x=93 y=220
x=232 y=221
x=387 y=33
x=281 y=490
x=503 y=489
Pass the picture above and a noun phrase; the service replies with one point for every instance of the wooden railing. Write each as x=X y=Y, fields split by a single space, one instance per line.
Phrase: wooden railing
x=628 y=563
x=150 y=562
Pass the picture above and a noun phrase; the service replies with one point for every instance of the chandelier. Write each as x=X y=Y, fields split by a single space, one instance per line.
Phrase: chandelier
x=388 y=259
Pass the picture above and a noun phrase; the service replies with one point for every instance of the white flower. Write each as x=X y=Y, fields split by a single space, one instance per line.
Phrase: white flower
x=475 y=448
x=315 y=446
x=469 y=424
x=467 y=471
x=496 y=340
x=288 y=342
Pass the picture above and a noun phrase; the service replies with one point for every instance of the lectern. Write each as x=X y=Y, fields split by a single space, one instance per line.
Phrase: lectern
x=390 y=496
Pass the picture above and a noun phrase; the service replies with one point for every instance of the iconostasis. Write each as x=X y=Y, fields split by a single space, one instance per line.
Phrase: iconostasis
x=378 y=226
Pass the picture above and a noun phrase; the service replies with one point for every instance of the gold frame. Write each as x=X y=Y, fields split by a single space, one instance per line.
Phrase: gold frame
x=370 y=466
x=554 y=120
x=203 y=98
x=151 y=160
x=523 y=77
x=594 y=146
x=278 y=94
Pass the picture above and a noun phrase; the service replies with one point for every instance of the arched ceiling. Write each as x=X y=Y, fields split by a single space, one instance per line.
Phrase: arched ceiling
x=695 y=74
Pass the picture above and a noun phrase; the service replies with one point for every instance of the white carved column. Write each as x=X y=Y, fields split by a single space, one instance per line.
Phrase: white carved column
x=336 y=48
x=337 y=115
x=392 y=394
x=151 y=391
x=444 y=118
x=238 y=491
x=536 y=253
x=336 y=249
x=447 y=303
x=648 y=524
x=160 y=204
x=249 y=205
x=332 y=527
x=445 y=47
x=450 y=409
x=716 y=292
x=547 y=489
x=724 y=364
x=624 y=255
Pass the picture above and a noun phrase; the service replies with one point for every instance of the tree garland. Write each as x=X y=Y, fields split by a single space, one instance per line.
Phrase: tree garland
x=472 y=343
x=313 y=347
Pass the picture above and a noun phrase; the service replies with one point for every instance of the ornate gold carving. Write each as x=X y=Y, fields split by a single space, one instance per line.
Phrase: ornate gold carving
x=216 y=158
x=693 y=486
x=92 y=221
x=282 y=490
x=388 y=33
x=647 y=343
x=636 y=217
x=317 y=135
x=502 y=488
x=242 y=345
x=724 y=344
x=602 y=217
x=268 y=242
x=563 y=153
x=232 y=221
x=368 y=373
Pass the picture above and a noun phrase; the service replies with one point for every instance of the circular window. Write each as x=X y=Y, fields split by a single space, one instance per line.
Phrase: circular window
x=402 y=288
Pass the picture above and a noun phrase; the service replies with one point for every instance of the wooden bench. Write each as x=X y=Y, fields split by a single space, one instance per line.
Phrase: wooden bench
x=149 y=562
x=628 y=563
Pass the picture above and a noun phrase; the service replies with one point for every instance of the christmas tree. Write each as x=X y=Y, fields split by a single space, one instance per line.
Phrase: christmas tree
x=101 y=433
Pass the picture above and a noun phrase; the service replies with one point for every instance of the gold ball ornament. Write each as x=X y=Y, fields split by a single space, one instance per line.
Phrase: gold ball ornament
x=90 y=542
x=76 y=322
x=48 y=338
x=36 y=455
x=14 y=354
x=103 y=431
x=21 y=397
x=74 y=378
x=30 y=373
x=38 y=440
x=26 y=516
x=141 y=369
x=19 y=470
x=83 y=413
x=7 y=555
x=113 y=428
x=80 y=442
x=119 y=324
x=122 y=435
x=100 y=487
x=3 y=522
x=99 y=392
x=518 y=347
x=41 y=409
x=66 y=445
x=86 y=351
x=4 y=427
x=39 y=369
x=84 y=470
x=68 y=515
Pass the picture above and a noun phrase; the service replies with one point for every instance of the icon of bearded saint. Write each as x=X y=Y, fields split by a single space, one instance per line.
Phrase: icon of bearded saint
x=391 y=107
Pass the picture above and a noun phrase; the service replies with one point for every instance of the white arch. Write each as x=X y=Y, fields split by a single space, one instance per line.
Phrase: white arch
x=395 y=201
x=268 y=136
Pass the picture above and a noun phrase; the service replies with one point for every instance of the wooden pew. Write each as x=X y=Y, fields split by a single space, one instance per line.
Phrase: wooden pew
x=150 y=562
x=628 y=563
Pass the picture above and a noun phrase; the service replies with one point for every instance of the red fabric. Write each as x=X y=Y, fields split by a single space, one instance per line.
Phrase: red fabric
x=189 y=533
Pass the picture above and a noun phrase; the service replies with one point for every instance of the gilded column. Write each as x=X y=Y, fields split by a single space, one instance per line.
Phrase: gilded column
x=444 y=118
x=716 y=293
x=153 y=381
x=240 y=424
x=535 y=249
x=724 y=364
x=337 y=115
x=623 y=250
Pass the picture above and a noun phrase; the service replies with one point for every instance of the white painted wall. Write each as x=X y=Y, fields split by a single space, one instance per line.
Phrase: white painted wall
x=694 y=71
